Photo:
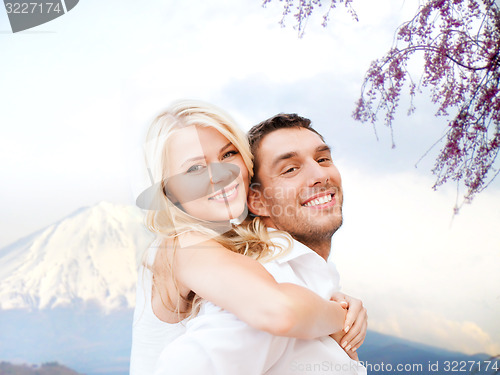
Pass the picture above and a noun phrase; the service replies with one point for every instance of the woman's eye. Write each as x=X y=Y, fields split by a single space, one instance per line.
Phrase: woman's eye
x=195 y=168
x=229 y=154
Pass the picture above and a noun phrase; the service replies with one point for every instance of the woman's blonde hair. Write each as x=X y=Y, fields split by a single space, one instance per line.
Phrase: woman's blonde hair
x=169 y=221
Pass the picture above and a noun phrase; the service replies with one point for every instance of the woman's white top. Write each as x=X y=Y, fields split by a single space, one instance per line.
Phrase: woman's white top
x=150 y=335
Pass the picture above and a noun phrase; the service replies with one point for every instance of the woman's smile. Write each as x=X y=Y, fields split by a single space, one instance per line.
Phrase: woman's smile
x=226 y=194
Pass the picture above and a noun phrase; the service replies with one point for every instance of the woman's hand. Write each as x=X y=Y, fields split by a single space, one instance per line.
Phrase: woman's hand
x=355 y=326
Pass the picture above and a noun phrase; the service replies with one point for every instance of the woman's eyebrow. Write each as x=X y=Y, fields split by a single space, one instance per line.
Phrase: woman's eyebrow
x=194 y=158
x=224 y=147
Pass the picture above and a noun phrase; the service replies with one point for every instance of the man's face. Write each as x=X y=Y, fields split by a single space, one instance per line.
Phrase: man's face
x=300 y=187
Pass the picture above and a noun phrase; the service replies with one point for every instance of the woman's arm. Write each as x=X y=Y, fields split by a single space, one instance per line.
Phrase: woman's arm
x=242 y=286
x=310 y=315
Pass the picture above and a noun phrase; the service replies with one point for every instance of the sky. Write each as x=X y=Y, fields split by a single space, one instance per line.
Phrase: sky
x=78 y=93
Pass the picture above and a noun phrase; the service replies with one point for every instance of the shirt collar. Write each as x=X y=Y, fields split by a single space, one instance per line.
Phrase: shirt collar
x=297 y=249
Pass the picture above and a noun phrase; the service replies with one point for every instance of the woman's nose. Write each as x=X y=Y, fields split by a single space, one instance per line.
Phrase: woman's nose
x=222 y=173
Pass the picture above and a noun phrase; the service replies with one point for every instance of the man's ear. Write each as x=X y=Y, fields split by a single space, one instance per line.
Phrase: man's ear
x=255 y=202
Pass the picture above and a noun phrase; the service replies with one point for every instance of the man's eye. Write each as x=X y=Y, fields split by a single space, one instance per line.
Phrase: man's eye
x=290 y=170
x=323 y=160
x=229 y=154
x=195 y=168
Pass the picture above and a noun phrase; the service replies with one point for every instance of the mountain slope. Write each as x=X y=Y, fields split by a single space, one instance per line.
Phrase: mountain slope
x=89 y=256
x=385 y=354
x=51 y=368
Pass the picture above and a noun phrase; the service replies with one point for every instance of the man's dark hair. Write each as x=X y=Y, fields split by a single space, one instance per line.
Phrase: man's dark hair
x=279 y=121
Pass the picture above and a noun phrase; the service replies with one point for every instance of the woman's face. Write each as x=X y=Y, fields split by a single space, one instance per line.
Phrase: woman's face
x=207 y=175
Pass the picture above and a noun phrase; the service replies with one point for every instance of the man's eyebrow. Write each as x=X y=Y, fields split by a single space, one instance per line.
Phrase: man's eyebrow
x=292 y=154
x=323 y=148
x=285 y=156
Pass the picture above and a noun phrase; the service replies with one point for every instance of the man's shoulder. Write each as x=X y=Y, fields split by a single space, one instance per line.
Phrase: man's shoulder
x=303 y=266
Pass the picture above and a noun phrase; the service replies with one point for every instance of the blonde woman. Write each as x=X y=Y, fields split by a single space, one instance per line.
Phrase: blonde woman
x=202 y=164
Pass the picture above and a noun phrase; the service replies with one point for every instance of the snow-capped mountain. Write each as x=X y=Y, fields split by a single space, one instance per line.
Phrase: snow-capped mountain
x=91 y=256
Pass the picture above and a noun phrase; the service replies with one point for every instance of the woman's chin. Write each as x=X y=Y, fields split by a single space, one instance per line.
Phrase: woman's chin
x=239 y=211
x=217 y=211
x=235 y=213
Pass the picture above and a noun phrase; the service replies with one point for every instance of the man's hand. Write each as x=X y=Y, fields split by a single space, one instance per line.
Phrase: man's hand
x=356 y=323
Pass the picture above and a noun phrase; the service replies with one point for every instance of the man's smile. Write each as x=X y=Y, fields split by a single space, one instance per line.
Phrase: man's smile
x=324 y=199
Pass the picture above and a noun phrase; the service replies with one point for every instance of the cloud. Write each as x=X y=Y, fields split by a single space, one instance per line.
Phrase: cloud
x=462 y=336
x=403 y=252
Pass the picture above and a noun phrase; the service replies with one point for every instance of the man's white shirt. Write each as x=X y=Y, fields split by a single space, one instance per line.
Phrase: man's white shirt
x=216 y=342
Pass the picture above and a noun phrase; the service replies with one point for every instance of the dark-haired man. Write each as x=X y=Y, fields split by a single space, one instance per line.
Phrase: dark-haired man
x=296 y=190
x=296 y=187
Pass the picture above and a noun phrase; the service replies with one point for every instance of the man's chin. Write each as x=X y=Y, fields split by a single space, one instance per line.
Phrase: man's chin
x=322 y=219
x=329 y=227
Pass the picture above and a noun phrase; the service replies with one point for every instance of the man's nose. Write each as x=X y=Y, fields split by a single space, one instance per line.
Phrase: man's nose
x=317 y=174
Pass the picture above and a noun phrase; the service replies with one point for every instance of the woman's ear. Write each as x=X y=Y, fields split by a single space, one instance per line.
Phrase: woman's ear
x=255 y=201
